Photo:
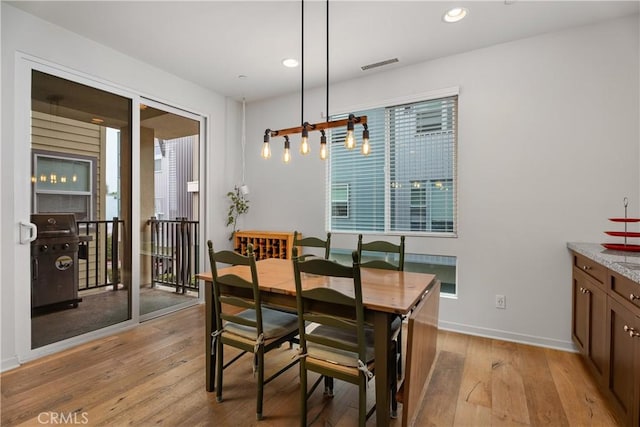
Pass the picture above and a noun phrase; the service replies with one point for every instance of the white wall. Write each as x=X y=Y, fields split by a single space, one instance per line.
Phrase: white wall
x=24 y=33
x=548 y=147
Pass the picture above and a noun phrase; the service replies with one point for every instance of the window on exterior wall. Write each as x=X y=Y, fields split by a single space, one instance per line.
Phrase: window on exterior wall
x=63 y=184
x=443 y=266
x=408 y=182
x=418 y=206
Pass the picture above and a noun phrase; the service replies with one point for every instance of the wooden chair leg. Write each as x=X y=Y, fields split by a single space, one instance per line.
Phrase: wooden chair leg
x=399 y=353
x=328 y=386
x=219 y=368
x=260 y=357
x=303 y=393
x=212 y=367
x=362 y=401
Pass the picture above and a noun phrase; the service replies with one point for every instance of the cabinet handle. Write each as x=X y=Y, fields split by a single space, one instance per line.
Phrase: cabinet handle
x=632 y=297
x=632 y=332
x=586 y=267
x=585 y=290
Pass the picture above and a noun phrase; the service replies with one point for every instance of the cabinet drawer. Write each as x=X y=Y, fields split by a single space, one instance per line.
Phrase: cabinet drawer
x=592 y=268
x=627 y=289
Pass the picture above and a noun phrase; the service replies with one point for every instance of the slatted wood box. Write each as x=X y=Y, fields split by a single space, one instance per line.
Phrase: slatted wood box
x=266 y=244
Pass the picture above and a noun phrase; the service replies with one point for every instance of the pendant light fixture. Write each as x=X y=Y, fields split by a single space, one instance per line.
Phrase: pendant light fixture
x=305 y=127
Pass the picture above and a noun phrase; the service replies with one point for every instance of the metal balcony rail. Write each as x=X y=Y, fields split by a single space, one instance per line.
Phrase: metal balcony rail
x=101 y=266
x=174 y=253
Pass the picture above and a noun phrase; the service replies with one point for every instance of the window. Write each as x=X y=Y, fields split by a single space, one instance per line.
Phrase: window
x=63 y=184
x=408 y=182
x=443 y=266
x=340 y=201
x=418 y=206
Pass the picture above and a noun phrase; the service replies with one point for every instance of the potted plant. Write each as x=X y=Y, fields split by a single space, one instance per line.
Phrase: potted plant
x=239 y=205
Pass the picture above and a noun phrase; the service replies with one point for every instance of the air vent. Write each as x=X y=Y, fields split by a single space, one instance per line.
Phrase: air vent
x=379 y=64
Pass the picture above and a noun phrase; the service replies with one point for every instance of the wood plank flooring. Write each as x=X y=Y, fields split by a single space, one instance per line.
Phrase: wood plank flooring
x=154 y=374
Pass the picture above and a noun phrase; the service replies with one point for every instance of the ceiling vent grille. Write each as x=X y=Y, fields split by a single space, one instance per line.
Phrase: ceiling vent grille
x=379 y=64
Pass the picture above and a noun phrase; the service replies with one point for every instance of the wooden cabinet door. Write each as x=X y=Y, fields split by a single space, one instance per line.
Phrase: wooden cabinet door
x=624 y=366
x=589 y=321
x=580 y=318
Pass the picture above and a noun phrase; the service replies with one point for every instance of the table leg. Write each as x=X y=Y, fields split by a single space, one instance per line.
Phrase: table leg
x=382 y=330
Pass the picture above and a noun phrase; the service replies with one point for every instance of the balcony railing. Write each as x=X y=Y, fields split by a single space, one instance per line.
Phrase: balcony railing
x=101 y=254
x=174 y=253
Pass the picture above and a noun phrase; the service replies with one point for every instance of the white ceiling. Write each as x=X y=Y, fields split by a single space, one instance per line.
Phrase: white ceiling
x=212 y=43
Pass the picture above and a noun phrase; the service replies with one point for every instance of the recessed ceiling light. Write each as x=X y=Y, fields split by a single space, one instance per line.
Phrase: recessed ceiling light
x=290 y=62
x=97 y=120
x=454 y=15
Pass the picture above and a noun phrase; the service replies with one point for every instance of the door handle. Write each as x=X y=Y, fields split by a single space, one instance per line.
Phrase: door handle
x=28 y=232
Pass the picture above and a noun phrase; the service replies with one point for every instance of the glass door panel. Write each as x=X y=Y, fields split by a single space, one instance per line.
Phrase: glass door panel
x=81 y=203
x=169 y=206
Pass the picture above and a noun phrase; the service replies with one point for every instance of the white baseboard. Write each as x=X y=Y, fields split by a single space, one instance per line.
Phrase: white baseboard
x=508 y=336
x=8 y=364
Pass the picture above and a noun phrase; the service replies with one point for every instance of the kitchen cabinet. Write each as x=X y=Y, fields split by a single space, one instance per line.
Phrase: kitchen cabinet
x=623 y=319
x=589 y=321
x=606 y=330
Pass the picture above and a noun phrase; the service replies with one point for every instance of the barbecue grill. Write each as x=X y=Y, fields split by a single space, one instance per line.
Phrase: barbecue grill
x=54 y=260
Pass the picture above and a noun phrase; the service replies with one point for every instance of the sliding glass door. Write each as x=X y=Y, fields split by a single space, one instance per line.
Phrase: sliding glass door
x=80 y=159
x=110 y=230
x=169 y=206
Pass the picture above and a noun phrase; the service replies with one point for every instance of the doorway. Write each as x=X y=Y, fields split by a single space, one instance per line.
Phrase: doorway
x=80 y=260
x=118 y=203
x=169 y=206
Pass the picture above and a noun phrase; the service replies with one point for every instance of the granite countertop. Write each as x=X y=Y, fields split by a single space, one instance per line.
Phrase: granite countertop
x=625 y=263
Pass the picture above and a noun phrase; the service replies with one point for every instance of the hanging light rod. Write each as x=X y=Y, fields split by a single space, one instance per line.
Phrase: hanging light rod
x=349 y=143
x=317 y=126
x=350 y=122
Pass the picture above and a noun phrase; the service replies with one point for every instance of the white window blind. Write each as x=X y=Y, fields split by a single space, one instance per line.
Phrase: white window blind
x=408 y=182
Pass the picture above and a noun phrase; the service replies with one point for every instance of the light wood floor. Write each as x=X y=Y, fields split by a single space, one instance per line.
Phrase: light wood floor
x=154 y=374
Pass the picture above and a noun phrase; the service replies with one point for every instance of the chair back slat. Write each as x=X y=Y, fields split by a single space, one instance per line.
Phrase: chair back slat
x=231 y=258
x=330 y=342
x=237 y=302
x=312 y=242
x=324 y=267
x=329 y=295
x=336 y=321
x=239 y=320
x=234 y=280
x=384 y=247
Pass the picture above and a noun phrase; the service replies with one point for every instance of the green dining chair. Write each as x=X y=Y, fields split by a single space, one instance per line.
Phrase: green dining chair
x=393 y=260
x=339 y=345
x=312 y=242
x=242 y=322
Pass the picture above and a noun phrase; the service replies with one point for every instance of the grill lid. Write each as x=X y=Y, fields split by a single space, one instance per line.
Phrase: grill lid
x=55 y=225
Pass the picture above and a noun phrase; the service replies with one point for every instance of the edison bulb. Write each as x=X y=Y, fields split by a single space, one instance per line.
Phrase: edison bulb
x=266 y=151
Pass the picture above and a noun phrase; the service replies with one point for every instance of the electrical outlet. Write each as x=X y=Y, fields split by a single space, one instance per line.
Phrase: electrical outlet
x=501 y=301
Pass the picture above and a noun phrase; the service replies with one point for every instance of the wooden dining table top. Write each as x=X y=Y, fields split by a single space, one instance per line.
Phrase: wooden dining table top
x=382 y=290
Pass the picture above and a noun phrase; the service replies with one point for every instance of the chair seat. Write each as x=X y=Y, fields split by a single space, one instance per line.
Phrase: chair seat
x=338 y=356
x=275 y=324
x=396 y=324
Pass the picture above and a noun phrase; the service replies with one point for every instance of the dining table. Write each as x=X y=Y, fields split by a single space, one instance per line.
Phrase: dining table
x=385 y=294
